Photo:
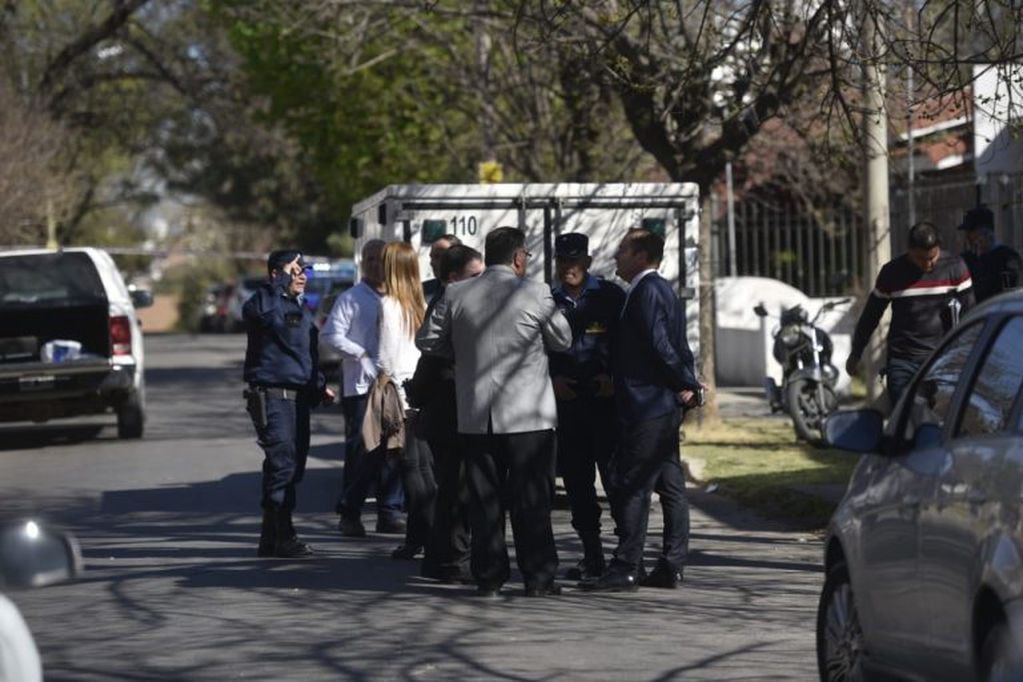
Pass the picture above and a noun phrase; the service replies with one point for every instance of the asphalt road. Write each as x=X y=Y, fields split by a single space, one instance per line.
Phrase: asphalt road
x=173 y=590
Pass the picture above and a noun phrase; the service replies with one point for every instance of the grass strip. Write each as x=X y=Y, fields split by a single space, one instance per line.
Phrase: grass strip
x=759 y=463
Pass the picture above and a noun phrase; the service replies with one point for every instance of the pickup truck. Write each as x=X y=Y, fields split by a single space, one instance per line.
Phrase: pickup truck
x=70 y=342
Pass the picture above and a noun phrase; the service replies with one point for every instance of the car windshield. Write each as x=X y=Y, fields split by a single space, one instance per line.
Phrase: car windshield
x=49 y=277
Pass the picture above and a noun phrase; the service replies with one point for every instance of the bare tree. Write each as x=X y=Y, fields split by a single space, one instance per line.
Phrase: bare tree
x=33 y=187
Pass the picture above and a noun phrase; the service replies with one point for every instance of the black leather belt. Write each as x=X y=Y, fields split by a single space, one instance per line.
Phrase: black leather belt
x=278 y=393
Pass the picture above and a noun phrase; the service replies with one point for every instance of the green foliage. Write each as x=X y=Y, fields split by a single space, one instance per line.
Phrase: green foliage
x=356 y=129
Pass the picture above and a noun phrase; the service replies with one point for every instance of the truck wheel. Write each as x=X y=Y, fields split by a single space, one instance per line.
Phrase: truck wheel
x=130 y=418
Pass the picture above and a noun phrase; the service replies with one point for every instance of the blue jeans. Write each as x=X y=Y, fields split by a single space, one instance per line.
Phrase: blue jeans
x=364 y=469
x=899 y=372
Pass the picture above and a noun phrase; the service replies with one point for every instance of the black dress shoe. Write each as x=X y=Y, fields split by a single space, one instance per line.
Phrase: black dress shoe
x=612 y=581
x=406 y=552
x=552 y=590
x=390 y=526
x=487 y=592
x=663 y=576
x=293 y=548
x=585 y=570
x=456 y=577
x=351 y=528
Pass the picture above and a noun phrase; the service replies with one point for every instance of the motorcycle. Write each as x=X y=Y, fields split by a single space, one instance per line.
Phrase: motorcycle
x=803 y=349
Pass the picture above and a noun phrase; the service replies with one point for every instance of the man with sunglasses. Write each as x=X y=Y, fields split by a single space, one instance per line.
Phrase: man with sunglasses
x=284 y=385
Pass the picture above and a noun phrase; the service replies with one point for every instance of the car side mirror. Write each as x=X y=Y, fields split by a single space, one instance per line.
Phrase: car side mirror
x=855 y=430
x=32 y=555
x=141 y=298
x=760 y=310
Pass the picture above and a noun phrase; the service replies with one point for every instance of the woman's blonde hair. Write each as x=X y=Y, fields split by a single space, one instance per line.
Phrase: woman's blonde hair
x=401 y=282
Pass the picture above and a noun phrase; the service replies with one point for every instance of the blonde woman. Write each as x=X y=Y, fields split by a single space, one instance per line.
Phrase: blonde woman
x=401 y=313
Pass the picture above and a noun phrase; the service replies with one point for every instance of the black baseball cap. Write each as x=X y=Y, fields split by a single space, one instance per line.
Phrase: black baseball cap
x=978 y=218
x=571 y=245
x=280 y=258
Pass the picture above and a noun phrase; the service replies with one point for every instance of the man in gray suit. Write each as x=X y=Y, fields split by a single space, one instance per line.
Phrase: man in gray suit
x=498 y=328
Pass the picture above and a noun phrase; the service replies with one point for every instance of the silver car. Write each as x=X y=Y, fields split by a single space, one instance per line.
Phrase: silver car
x=924 y=555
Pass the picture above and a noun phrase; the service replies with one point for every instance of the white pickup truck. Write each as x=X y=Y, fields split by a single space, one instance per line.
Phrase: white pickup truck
x=70 y=342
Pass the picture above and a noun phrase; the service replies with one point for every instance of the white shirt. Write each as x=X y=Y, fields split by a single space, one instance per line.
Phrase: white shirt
x=398 y=353
x=353 y=330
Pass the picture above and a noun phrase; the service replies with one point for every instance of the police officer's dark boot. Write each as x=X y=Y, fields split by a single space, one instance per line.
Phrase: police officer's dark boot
x=268 y=534
x=288 y=544
x=592 y=564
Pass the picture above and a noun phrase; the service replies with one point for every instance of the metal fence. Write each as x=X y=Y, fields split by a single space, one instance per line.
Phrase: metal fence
x=943 y=204
x=822 y=251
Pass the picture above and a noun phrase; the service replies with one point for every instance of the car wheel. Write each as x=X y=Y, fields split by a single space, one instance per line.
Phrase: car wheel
x=1001 y=659
x=131 y=418
x=839 y=637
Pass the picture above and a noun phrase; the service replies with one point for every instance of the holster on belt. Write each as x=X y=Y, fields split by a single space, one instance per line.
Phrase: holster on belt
x=255 y=405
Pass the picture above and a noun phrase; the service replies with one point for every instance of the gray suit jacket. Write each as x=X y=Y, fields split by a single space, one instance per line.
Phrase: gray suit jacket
x=498 y=328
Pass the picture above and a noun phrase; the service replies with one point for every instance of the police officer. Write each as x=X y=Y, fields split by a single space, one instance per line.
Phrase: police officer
x=584 y=393
x=994 y=267
x=284 y=384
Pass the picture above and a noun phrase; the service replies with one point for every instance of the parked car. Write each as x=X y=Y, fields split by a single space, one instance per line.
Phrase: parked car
x=329 y=358
x=213 y=316
x=242 y=291
x=70 y=343
x=327 y=277
x=924 y=555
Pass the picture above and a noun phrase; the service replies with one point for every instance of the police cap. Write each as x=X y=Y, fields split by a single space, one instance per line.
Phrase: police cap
x=977 y=218
x=278 y=259
x=571 y=245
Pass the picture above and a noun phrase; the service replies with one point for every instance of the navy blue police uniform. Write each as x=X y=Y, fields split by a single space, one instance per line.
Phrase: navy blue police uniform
x=587 y=424
x=281 y=369
x=997 y=269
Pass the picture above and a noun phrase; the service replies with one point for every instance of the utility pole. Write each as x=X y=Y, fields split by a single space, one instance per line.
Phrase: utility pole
x=910 y=100
x=875 y=140
x=732 y=268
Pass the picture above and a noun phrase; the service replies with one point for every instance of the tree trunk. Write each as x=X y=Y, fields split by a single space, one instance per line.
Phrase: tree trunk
x=709 y=414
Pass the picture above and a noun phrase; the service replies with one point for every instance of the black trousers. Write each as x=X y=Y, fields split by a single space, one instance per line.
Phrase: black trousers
x=285 y=444
x=647 y=459
x=587 y=435
x=447 y=550
x=418 y=478
x=511 y=473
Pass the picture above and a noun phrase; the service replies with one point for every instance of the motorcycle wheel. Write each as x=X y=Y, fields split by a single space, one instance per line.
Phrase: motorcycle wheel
x=806 y=409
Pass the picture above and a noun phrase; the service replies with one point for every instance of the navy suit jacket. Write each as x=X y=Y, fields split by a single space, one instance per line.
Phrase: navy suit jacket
x=650 y=355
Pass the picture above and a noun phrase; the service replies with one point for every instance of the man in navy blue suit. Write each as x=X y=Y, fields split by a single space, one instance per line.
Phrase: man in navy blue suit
x=654 y=379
